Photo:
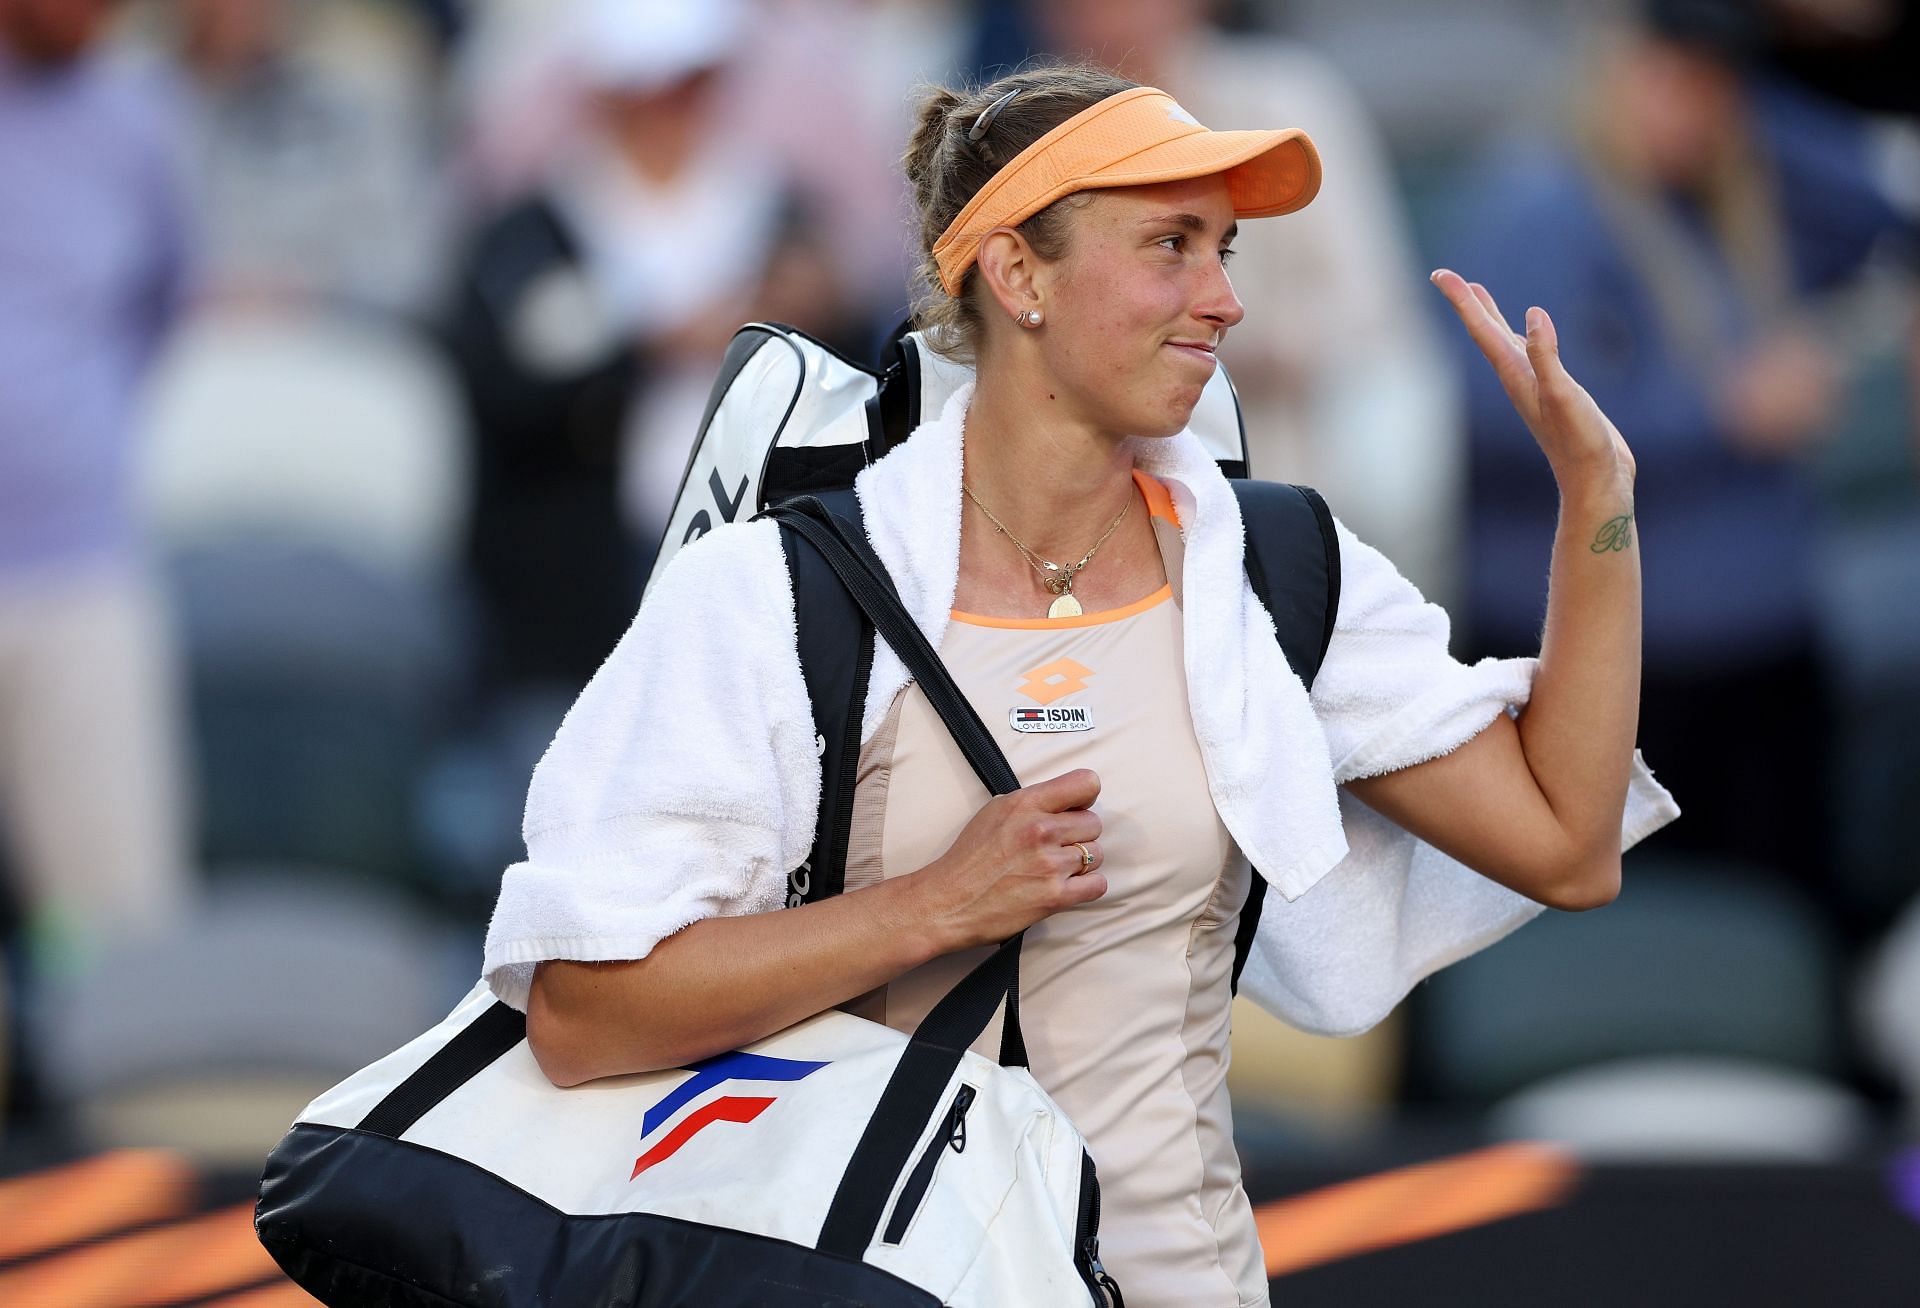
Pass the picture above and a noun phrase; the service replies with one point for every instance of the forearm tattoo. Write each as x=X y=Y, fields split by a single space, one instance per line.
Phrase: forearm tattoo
x=1615 y=534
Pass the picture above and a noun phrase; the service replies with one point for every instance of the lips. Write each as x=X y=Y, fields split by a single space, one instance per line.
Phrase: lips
x=1194 y=350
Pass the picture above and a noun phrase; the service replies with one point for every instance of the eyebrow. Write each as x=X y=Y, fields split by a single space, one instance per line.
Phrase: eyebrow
x=1193 y=222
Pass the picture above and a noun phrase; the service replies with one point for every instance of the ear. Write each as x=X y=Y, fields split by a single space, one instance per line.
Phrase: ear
x=1010 y=270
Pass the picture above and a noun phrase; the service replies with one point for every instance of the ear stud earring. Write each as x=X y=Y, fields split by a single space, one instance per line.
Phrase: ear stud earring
x=1028 y=317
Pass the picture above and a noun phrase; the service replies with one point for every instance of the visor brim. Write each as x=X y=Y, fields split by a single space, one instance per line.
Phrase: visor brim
x=1268 y=172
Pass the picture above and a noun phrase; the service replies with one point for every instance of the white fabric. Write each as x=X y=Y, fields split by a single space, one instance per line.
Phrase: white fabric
x=684 y=781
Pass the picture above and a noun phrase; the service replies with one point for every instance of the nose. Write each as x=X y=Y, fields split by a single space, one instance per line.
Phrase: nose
x=1218 y=304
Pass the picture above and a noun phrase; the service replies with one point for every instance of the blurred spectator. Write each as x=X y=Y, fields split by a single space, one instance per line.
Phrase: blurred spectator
x=842 y=136
x=92 y=272
x=590 y=315
x=1341 y=382
x=312 y=151
x=1678 y=238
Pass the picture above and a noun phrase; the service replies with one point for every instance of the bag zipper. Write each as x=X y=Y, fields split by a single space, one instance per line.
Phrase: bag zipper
x=951 y=1133
x=1086 y=1244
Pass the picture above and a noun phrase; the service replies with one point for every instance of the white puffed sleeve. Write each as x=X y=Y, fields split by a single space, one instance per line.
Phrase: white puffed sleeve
x=1388 y=696
x=683 y=782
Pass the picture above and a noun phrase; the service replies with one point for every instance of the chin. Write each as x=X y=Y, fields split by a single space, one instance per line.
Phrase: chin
x=1170 y=419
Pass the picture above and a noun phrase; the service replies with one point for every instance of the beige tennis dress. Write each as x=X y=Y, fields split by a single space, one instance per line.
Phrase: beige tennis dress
x=1124 y=1001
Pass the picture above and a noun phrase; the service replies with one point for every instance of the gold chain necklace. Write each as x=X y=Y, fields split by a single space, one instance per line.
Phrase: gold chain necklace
x=1057 y=577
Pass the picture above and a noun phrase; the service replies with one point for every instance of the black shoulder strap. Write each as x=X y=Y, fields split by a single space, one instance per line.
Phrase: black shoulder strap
x=1293 y=563
x=835 y=641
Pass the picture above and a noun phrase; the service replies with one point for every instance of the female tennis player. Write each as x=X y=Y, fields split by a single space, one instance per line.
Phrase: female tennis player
x=1062 y=540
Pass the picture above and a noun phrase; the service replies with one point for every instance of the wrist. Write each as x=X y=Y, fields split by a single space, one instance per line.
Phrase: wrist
x=923 y=923
x=1597 y=486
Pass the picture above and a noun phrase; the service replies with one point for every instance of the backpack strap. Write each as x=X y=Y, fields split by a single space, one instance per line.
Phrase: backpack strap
x=835 y=641
x=1293 y=564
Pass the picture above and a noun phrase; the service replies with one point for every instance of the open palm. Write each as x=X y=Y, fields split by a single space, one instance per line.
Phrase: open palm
x=1577 y=438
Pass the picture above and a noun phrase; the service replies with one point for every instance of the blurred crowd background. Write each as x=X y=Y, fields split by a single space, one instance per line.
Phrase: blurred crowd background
x=350 y=352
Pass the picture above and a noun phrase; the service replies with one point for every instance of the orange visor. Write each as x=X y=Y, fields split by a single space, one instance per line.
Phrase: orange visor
x=1136 y=138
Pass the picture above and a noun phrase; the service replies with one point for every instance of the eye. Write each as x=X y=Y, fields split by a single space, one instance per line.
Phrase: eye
x=1226 y=255
x=1175 y=242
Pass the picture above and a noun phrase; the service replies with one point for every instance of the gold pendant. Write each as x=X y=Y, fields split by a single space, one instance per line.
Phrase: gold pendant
x=1064 y=607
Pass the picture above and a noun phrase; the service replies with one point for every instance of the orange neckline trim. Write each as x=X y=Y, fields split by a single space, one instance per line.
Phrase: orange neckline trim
x=1159 y=505
x=1160 y=596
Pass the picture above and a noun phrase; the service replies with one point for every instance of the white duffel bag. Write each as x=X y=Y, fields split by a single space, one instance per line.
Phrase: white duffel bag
x=838 y=1162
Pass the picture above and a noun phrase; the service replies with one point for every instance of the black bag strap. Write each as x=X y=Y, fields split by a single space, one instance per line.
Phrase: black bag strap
x=471 y=1051
x=1293 y=564
x=913 y=1093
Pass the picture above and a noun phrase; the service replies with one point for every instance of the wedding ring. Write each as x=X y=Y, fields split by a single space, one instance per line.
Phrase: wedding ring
x=1086 y=857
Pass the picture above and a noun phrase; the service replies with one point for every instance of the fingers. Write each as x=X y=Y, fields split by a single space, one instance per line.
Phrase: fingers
x=1084 y=889
x=1488 y=330
x=1079 y=864
x=1077 y=824
x=1543 y=343
x=1485 y=297
x=1070 y=790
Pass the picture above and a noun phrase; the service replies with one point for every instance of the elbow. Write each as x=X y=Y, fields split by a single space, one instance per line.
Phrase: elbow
x=574 y=1041
x=554 y=1040
x=1588 y=884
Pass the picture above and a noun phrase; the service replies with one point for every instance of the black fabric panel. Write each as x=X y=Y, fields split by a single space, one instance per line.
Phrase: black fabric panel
x=488 y=1036
x=1330 y=542
x=835 y=642
x=1248 y=928
x=1291 y=547
x=1293 y=565
x=335 y=1210
x=900 y=389
x=810 y=470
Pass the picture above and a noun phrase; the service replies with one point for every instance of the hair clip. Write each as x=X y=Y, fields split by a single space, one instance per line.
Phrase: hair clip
x=984 y=122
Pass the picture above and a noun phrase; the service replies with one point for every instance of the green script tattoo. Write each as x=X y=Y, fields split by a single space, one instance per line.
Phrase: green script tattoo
x=1615 y=534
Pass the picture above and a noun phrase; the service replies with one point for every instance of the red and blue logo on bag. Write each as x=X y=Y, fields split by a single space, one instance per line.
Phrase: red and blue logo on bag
x=708 y=1073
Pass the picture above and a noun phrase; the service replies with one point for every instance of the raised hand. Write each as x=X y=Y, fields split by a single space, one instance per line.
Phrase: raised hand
x=1581 y=444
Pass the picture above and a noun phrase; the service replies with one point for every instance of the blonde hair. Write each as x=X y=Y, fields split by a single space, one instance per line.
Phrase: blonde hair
x=946 y=169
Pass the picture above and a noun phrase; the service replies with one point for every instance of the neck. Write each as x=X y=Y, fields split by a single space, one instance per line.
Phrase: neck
x=1056 y=482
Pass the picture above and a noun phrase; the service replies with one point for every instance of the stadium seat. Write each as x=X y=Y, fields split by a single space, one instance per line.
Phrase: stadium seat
x=329 y=428
x=320 y=685
x=1688 y=1108
x=211 y=1038
x=1692 y=958
x=1887 y=1006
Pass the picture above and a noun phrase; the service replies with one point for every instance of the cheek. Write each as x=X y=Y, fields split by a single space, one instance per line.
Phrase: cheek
x=1118 y=319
